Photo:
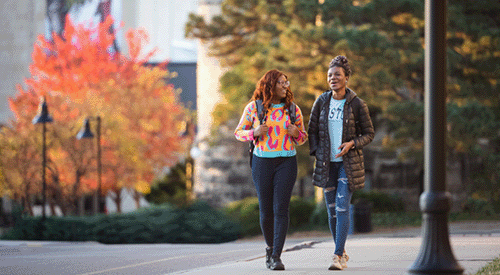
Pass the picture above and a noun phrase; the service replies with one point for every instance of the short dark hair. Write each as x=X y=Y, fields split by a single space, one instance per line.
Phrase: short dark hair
x=342 y=62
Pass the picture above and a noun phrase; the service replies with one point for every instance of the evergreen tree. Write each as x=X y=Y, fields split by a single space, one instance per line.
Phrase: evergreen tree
x=384 y=40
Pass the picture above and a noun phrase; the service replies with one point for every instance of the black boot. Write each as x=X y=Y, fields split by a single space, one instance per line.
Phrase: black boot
x=269 y=252
x=276 y=264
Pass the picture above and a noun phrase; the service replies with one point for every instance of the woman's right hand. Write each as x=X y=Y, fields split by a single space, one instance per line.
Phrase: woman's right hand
x=260 y=130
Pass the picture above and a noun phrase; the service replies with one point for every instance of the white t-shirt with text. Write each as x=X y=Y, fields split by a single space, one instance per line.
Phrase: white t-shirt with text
x=335 y=118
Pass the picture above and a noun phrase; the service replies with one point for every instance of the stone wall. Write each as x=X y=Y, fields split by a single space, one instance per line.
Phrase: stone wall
x=225 y=175
x=20 y=23
x=406 y=179
x=222 y=171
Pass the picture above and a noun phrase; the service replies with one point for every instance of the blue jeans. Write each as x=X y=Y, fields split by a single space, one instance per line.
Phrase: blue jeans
x=338 y=198
x=274 y=179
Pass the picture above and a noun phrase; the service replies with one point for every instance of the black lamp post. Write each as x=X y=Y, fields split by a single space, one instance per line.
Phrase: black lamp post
x=43 y=117
x=189 y=131
x=85 y=132
x=435 y=256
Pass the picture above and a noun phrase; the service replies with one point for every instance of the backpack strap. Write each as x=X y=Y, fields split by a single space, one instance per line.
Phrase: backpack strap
x=260 y=110
x=292 y=113
x=260 y=114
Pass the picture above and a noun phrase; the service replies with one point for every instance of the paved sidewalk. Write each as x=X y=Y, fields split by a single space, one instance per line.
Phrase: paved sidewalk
x=474 y=244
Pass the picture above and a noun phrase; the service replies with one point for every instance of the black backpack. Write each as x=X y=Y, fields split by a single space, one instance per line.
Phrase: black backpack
x=261 y=115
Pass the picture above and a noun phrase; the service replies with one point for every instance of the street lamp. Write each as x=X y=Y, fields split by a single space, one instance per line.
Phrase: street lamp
x=194 y=152
x=435 y=256
x=43 y=117
x=85 y=132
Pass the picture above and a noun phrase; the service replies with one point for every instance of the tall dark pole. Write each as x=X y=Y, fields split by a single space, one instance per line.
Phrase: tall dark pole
x=43 y=117
x=99 y=166
x=85 y=132
x=44 y=164
x=435 y=256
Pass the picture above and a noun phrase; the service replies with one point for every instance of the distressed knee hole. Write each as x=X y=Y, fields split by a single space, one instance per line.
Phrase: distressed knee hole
x=340 y=209
x=333 y=214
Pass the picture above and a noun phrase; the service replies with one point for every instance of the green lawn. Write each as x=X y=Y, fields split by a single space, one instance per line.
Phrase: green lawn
x=492 y=268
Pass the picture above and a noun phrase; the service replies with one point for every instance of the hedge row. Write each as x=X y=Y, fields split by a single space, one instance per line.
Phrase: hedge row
x=246 y=213
x=198 y=223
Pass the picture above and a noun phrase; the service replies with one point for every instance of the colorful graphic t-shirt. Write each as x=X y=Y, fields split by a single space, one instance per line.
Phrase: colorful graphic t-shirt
x=276 y=142
x=335 y=118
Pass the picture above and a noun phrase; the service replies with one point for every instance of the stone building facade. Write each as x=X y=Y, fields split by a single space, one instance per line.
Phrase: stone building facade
x=20 y=24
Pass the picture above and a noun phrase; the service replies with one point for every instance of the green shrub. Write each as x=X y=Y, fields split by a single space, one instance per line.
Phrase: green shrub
x=396 y=219
x=246 y=213
x=198 y=223
x=300 y=211
x=479 y=206
x=380 y=202
x=319 y=216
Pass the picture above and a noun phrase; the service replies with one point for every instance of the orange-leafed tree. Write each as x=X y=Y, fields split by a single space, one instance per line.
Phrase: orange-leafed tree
x=79 y=77
x=67 y=160
x=152 y=119
x=21 y=159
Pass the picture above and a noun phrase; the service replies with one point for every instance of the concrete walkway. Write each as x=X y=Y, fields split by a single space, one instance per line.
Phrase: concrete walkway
x=474 y=245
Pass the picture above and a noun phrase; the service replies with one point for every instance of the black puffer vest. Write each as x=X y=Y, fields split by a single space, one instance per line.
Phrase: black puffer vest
x=357 y=126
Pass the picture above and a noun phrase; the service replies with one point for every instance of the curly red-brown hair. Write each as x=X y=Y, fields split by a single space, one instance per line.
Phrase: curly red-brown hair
x=264 y=89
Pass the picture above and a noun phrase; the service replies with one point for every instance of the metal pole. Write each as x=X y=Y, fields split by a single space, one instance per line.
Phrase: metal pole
x=435 y=256
x=44 y=184
x=99 y=165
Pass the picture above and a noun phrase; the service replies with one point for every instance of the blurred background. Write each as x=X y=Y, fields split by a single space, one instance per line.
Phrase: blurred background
x=110 y=106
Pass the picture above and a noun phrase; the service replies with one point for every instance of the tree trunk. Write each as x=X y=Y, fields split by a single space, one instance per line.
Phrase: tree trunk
x=118 y=202
x=76 y=203
x=466 y=171
x=81 y=205
x=27 y=201
x=56 y=17
x=52 y=207
x=116 y=196
x=137 y=198
x=59 y=200
x=28 y=206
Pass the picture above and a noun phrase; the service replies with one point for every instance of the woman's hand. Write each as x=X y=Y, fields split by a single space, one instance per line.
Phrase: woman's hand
x=346 y=146
x=293 y=131
x=260 y=130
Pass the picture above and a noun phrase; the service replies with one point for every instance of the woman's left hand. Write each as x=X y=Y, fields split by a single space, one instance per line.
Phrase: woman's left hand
x=293 y=131
x=346 y=146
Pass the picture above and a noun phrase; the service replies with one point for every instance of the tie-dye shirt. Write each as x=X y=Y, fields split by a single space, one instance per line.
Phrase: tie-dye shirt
x=276 y=142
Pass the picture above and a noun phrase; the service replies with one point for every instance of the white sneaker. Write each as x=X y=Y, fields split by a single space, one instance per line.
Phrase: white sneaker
x=336 y=265
x=344 y=259
x=345 y=256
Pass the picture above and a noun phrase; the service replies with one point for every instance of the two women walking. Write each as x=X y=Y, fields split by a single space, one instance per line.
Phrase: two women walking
x=339 y=127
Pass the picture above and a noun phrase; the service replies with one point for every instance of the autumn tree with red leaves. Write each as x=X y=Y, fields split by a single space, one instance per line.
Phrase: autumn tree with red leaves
x=80 y=76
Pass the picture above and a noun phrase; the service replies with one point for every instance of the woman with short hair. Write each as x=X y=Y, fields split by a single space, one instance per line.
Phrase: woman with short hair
x=339 y=127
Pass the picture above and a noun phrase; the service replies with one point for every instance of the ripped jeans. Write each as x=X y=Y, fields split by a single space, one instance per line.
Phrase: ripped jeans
x=338 y=198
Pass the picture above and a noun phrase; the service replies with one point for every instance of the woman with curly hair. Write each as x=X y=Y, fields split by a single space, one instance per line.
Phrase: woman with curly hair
x=274 y=162
x=339 y=127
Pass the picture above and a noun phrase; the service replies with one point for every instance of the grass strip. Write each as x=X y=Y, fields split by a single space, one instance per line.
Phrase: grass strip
x=492 y=268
